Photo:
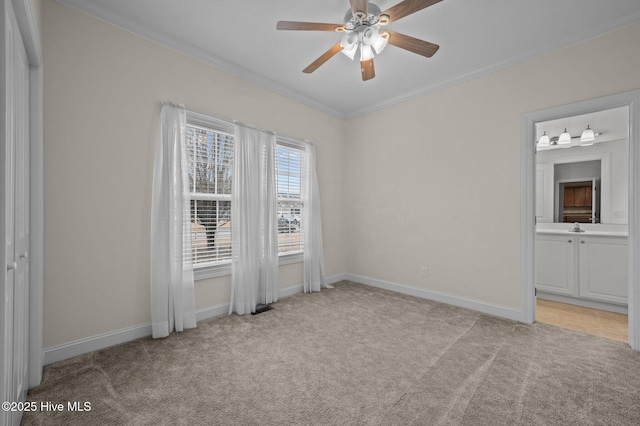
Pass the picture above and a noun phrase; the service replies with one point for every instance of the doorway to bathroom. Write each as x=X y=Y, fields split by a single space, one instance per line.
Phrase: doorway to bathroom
x=567 y=267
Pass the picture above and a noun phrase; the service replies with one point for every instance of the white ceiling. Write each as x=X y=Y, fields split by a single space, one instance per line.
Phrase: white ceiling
x=475 y=37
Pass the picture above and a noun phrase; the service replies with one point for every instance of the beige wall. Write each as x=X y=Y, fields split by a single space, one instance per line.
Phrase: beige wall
x=435 y=181
x=431 y=182
x=103 y=91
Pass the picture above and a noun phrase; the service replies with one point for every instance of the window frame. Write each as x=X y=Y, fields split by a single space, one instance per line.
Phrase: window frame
x=220 y=268
x=298 y=256
x=223 y=268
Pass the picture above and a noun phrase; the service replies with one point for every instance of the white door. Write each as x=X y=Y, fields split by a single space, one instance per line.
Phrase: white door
x=15 y=207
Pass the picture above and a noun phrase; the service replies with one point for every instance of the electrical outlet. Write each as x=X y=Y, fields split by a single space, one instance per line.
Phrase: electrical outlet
x=618 y=213
x=424 y=272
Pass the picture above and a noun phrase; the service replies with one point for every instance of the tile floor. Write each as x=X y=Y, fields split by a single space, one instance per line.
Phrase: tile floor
x=592 y=321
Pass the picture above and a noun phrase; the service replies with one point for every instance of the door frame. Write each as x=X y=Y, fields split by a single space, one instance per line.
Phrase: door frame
x=527 y=200
x=30 y=32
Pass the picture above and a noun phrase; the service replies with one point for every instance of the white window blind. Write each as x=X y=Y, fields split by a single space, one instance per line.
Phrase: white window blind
x=209 y=162
x=290 y=177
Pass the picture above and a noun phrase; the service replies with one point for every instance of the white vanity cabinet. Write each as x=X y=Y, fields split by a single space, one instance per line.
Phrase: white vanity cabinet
x=592 y=267
x=603 y=269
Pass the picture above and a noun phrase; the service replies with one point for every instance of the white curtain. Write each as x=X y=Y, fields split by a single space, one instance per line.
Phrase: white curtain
x=254 y=266
x=312 y=228
x=172 y=294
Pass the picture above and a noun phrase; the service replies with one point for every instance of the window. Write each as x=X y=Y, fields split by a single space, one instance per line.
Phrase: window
x=209 y=165
x=289 y=180
x=210 y=145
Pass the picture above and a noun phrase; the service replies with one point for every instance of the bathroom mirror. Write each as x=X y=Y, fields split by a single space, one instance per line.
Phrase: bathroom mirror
x=582 y=175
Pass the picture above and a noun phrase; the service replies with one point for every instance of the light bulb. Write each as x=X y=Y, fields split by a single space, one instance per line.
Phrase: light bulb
x=587 y=136
x=565 y=138
x=544 y=140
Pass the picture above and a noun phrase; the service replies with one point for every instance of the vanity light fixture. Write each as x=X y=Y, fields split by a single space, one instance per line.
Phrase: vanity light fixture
x=544 y=140
x=565 y=138
x=588 y=137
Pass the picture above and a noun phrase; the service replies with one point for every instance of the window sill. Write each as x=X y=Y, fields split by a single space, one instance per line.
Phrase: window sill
x=213 y=271
x=287 y=259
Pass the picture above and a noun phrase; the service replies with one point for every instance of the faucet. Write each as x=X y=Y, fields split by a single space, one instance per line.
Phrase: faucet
x=576 y=228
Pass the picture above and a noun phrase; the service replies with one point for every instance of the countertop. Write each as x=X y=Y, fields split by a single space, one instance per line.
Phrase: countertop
x=587 y=233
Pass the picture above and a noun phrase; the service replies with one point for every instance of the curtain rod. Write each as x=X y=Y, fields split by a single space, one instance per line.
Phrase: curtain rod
x=239 y=123
x=227 y=121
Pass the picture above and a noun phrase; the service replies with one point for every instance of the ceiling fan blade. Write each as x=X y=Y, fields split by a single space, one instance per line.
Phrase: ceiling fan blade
x=308 y=26
x=368 y=71
x=412 y=44
x=407 y=7
x=323 y=58
x=357 y=5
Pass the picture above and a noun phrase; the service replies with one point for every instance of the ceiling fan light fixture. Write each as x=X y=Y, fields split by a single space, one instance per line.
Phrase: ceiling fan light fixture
x=370 y=35
x=565 y=138
x=351 y=53
x=588 y=137
x=366 y=52
x=349 y=44
x=544 y=140
x=381 y=42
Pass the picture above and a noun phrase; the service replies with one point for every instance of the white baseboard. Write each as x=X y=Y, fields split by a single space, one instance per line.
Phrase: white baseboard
x=212 y=311
x=484 y=307
x=290 y=291
x=335 y=278
x=117 y=337
x=94 y=343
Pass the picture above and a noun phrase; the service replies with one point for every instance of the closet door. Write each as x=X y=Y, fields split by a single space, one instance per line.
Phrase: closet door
x=14 y=157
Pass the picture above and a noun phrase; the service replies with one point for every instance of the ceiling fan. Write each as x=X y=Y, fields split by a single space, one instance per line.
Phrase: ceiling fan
x=363 y=30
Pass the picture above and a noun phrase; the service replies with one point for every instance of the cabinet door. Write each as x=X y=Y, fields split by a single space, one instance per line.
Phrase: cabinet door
x=544 y=193
x=603 y=273
x=588 y=196
x=555 y=263
x=569 y=197
x=579 y=196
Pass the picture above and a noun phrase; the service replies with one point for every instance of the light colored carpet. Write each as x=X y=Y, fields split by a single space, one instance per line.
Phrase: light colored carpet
x=353 y=355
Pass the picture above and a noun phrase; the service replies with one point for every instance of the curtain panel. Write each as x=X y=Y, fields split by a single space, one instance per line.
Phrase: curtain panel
x=172 y=287
x=312 y=228
x=254 y=265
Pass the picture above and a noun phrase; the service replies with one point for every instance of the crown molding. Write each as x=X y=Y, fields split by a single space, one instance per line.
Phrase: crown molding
x=430 y=87
x=568 y=41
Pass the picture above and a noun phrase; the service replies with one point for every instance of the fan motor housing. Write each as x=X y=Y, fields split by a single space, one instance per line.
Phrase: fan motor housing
x=352 y=22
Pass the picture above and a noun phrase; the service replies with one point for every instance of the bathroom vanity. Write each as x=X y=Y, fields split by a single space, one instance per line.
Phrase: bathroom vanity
x=587 y=268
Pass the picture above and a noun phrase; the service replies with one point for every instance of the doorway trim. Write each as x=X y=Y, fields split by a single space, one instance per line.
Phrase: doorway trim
x=527 y=200
x=31 y=37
